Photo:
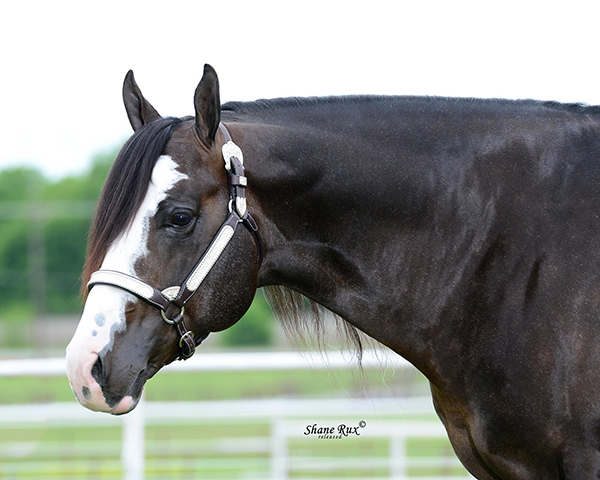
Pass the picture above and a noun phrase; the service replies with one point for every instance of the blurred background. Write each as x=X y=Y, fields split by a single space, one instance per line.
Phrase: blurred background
x=62 y=123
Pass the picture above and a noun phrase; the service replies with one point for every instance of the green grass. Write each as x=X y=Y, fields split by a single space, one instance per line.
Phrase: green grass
x=34 y=390
x=61 y=434
x=198 y=386
x=182 y=451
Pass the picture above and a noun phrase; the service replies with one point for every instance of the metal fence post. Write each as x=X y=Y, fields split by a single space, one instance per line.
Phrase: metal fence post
x=133 y=451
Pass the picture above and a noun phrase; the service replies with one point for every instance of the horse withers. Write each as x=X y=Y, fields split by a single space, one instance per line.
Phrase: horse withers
x=463 y=234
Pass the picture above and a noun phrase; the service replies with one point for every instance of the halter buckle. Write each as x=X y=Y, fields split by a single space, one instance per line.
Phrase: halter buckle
x=185 y=335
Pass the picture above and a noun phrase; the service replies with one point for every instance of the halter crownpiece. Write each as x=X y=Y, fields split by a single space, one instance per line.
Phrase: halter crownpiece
x=177 y=296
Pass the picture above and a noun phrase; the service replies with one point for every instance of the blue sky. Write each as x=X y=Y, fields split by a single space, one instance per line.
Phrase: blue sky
x=63 y=62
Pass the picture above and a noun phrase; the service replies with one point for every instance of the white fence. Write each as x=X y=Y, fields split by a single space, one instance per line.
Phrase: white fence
x=288 y=419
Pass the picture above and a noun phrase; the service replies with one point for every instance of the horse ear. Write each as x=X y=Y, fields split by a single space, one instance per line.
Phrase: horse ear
x=207 y=103
x=139 y=110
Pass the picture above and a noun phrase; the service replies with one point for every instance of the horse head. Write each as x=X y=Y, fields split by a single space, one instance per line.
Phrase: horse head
x=164 y=203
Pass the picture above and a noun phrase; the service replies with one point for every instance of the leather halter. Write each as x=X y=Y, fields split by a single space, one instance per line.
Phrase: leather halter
x=173 y=299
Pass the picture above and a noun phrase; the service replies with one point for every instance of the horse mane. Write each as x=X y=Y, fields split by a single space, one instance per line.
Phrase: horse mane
x=294 y=102
x=124 y=190
x=303 y=320
x=263 y=105
x=573 y=107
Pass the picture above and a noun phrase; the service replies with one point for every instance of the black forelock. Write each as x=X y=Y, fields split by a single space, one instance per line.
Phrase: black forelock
x=126 y=187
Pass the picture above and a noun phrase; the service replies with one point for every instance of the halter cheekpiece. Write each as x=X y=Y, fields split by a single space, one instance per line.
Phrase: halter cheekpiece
x=173 y=299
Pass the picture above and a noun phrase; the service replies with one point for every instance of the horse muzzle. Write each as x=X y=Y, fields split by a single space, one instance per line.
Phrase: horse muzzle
x=94 y=388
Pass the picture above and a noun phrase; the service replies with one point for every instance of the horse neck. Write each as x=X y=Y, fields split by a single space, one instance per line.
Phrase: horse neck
x=351 y=227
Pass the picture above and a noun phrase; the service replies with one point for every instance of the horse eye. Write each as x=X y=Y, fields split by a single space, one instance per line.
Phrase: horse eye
x=181 y=219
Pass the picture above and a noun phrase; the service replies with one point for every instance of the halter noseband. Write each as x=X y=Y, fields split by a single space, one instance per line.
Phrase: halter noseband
x=174 y=298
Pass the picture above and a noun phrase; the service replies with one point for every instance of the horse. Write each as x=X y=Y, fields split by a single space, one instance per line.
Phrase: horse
x=463 y=234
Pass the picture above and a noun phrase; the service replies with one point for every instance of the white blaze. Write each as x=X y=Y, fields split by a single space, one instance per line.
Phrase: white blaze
x=104 y=311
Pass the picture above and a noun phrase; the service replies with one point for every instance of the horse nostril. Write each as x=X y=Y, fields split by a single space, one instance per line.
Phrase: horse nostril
x=97 y=371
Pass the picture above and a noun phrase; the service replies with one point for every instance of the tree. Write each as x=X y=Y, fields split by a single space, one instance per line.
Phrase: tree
x=43 y=235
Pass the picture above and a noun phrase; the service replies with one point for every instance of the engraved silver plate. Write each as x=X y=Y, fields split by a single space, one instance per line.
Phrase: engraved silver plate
x=229 y=150
x=240 y=206
x=171 y=292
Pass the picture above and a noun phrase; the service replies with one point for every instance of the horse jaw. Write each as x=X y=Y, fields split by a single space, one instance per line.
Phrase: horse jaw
x=104 y=313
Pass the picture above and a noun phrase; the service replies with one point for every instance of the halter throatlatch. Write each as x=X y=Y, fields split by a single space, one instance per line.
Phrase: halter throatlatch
x=173 y=299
